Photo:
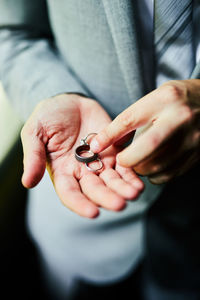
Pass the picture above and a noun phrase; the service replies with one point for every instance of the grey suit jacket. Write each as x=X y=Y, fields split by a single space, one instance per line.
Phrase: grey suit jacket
x=90 y=47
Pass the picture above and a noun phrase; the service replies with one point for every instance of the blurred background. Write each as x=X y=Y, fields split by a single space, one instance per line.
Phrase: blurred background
x=19 y=271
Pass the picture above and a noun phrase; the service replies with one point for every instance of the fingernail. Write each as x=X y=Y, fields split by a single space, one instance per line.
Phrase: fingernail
x=94 y=146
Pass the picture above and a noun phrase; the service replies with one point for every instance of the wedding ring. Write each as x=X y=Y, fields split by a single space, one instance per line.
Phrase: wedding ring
x=84 y=141
x=95 y=170
x=85 y=148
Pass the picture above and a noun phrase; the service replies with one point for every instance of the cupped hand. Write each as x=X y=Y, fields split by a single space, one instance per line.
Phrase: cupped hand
x=49 y=139
x=167 y=140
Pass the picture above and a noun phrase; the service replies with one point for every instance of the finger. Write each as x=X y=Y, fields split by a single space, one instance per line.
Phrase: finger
x=178 y=167
x=113 y=180
x=136 y=115
x=161 y=178
x=170 y=162
x=69 y=192
x=94 y=188
x=34 y=159
x=164 y=158
x=151 y=140
x=131 y=177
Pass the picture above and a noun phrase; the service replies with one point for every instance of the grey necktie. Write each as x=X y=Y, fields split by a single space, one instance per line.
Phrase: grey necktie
x=174 y=55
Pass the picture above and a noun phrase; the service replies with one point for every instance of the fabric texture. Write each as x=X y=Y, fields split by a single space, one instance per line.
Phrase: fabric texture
x=174 y=40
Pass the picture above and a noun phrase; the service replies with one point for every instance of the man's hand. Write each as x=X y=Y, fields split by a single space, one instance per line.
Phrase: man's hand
x=50 y=137
x=167 y=142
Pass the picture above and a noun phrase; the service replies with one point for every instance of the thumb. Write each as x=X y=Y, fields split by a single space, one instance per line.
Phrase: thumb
x=34 y=158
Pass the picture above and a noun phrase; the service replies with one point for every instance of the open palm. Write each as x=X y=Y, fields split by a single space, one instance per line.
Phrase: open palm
x=50 y=137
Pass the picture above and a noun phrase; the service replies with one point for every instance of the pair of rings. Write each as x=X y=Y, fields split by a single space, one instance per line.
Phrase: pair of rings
x=85 y=148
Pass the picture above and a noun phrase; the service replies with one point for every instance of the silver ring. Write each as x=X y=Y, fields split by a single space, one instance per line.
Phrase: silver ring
x=84 y=141
x=95 y=170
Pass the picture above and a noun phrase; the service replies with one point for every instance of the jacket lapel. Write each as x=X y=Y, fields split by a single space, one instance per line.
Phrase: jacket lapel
x=121 y=20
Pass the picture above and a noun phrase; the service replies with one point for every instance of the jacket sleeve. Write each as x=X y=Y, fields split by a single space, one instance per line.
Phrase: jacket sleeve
x=31 y=68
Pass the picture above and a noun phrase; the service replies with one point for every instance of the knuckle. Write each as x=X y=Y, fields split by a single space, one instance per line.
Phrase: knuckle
x=175 y=91
x=186 y=113
x=126 y=119
x=164 y=178
x=195 y=137
x=156 y=168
